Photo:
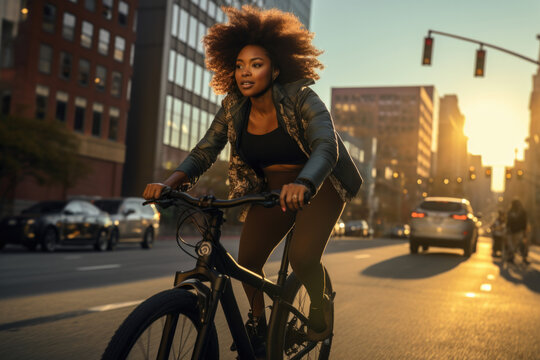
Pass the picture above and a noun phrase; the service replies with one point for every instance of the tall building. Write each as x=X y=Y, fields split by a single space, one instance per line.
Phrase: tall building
x=71 y=61
x=172 y=102
x=401 y=119
x=532 y=159
x=451 y=153
x=301 y=8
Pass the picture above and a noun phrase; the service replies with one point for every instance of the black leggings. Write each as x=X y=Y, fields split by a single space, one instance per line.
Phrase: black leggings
x=265 y=227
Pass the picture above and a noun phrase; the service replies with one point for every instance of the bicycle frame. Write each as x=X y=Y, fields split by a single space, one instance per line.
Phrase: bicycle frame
x=212 y=264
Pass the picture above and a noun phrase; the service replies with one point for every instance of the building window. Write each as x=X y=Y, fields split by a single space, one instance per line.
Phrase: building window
x=119 y=48
x=84 y=72
x=49 y=18
x=80 y=110
x=174 y=23
x=104 y=38
x=97 y=115
x=45 y=59
x=107 y=9
x=198 y=80
x=123 y=10
x=90 y=5
x=182 y=31
x=101 y=76
x=172 y=58
x=186 y=116
x=114 y=120
x=116 y=84
x=132 y=54
x=180 y=65
x=128 y=90
x=192 y=36
x=87 y=31
x=61 y=105
x=66 y=63
x=168 y=120
x=212 y=9
x=190 y=68
x=195 y=126
x=68 y=28
x=175 y=123
x=202 y=31
x=42 y=97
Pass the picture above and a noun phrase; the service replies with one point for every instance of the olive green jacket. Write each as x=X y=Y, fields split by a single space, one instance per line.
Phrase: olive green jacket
x=305 y=118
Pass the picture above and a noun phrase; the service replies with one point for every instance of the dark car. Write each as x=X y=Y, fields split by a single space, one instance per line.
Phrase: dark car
x=132 y=222
x=400 y=231
x=357 y=228
x=53 y=223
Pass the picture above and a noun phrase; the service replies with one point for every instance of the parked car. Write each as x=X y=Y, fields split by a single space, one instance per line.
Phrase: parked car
x=357 y=228
x=132 y=222
x=339 y=228
x=444 y=222
x=53 y=223
x=400 y=231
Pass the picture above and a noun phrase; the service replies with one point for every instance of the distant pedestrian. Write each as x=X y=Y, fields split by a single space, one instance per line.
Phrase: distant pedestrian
x=516 y=225
x=498 y=230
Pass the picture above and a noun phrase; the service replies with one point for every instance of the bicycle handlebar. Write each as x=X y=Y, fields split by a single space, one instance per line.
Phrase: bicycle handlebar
x=267 y=199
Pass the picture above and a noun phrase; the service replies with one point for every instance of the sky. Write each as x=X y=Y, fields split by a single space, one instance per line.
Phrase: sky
x=380 y=43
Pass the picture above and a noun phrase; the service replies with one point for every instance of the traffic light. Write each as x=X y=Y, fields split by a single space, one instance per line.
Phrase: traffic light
x=519 y=174
x=508 y=175
x=428 y=45
x=488 y=172
x=480 y=62
x=472 y=173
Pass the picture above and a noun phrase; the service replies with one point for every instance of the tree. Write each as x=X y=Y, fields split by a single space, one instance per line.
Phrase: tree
x=43 y=150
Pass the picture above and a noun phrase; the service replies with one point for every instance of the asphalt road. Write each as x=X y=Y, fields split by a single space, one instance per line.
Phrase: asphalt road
x=389 y=304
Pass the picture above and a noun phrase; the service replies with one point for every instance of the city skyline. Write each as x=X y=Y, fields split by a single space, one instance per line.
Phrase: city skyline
x=386 y=50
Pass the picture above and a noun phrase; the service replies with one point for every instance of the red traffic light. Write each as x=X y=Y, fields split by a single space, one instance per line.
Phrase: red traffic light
x=428 y=46
x=480 y=62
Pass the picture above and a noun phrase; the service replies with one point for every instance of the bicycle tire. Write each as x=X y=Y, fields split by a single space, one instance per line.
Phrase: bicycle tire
x=296 y=294
x=124 y=343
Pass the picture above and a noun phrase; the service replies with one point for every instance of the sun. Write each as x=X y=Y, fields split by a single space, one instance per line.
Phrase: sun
x=496 y=133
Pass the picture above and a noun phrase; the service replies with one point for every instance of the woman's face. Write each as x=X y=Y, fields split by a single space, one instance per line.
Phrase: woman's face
x=253 y=72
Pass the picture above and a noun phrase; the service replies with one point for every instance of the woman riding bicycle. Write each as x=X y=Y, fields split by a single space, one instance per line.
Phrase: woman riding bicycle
x=282 y=137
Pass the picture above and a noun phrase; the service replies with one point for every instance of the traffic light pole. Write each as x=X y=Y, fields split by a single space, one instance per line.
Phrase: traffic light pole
x=481 y=43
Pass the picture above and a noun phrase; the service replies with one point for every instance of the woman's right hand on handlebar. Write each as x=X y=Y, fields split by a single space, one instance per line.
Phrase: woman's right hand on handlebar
x=153 y=190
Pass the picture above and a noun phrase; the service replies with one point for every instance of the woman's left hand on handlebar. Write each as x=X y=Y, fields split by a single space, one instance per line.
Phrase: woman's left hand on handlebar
x=292 y=196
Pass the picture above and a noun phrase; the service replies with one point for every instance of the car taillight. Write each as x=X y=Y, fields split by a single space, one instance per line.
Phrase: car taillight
x=416 y=214
x=459 y=217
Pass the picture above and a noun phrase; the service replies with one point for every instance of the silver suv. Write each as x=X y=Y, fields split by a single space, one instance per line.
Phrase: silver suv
x=444 y=222
x=132 y=222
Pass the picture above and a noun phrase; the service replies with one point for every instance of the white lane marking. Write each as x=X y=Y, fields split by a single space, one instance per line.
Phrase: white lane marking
x=470 y=295
x=98 y=267
x=491 y=277
x=114 y=306
x=362 y=256
x=72 y=257
x=485 y=287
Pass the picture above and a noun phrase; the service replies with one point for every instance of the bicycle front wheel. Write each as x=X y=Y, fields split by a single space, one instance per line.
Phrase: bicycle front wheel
x=171 y=318
x=290 y=340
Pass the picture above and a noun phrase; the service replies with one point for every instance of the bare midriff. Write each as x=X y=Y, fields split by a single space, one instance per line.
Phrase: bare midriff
x=283 y=168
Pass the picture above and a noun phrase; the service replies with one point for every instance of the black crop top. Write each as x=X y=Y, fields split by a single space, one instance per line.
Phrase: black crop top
x=274 y=147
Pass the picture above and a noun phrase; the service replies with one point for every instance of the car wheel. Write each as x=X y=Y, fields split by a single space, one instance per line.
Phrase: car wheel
x=101 y=243
x=50 y=239
x=113 y=240
x=148 y=239
x=467 y=249
x=425 y=247
x=413 y=247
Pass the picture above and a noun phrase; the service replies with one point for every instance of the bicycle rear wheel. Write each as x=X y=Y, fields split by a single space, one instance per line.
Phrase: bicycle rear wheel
x=290 y=340
x=140 y=335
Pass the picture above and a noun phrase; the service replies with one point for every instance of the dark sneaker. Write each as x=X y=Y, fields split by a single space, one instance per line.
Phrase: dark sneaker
x=321 y=321
x=257 y=330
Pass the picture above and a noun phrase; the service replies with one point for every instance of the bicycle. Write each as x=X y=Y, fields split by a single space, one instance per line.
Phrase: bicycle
x=193 y=300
